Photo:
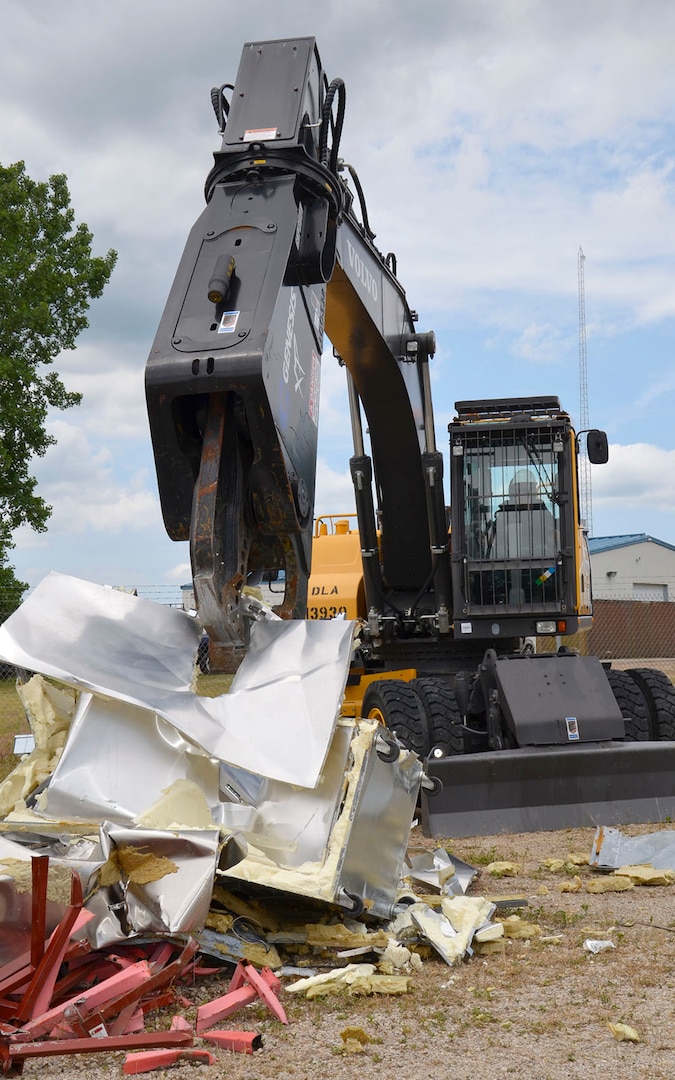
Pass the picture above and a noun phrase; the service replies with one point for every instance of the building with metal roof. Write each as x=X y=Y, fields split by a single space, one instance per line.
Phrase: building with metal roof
x=634 y=566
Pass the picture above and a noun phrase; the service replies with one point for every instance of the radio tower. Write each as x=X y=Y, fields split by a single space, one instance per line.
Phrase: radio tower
x=585 y=492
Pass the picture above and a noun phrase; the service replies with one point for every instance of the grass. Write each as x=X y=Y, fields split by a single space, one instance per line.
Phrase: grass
x=213 y=685
x=12 y=722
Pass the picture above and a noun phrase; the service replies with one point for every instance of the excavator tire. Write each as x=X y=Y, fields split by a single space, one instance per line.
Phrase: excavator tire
x=396 y=705
x=444 y=722
x=659 y=696
x=631 y=701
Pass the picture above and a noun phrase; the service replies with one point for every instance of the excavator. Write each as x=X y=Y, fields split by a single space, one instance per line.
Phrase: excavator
x=445 y=592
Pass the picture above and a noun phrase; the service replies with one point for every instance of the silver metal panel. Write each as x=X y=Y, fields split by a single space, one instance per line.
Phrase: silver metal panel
x=279 y=716
x=117 y=761
x=358 y=842
x=383 y=811
x=292 y=825
x=15 y=904
x=611 y=849
x=175 y=903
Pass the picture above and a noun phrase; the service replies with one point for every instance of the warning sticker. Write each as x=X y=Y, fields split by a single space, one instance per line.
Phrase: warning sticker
x=466 y=628
x=259 y=134
x=228 y=322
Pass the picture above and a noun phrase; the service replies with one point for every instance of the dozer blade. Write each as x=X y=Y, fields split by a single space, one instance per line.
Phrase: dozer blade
x=539 y=788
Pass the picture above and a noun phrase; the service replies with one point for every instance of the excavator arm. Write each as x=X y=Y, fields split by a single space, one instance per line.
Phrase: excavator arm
x=233 y=378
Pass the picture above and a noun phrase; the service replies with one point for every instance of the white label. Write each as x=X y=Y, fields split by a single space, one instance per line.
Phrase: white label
x=572 y=726
x=260 y=134
x=228 y=322
x=466 y=628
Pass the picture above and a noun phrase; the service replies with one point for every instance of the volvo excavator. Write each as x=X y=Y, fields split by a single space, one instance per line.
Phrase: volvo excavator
x=445 y=591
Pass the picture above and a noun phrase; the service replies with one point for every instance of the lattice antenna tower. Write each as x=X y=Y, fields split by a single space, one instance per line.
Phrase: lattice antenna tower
x=585 y=491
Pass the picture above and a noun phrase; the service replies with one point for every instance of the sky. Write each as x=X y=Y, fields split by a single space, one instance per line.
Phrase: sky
x=493 y=139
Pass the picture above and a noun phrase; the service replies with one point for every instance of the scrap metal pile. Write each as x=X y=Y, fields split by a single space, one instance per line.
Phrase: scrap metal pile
x=155 y=840
x=153 y=835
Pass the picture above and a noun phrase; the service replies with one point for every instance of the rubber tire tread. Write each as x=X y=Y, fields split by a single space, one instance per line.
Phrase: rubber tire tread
x=402 y=711
x=443 y=716
x=659 y=695
x=630 y=700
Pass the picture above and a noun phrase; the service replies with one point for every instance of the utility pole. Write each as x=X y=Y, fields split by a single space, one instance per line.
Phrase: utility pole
x=585 y=492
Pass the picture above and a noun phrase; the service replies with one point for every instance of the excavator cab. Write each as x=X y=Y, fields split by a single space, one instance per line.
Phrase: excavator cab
x=518 y=549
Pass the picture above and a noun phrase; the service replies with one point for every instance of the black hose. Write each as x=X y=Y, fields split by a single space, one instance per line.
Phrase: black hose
x=221 y=105
x=337 y=86
x=362 y=201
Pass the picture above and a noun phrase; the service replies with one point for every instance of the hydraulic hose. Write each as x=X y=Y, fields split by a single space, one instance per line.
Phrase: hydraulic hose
x=337 y=86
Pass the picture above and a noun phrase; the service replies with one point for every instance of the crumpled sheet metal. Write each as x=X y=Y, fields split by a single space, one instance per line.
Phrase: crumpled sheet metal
x=349 y=838
x=441 y=872
x=292 y=825
x=117 y=761
x=180 y=866
x=279 y=716
x=611 y=849
x=176 y=902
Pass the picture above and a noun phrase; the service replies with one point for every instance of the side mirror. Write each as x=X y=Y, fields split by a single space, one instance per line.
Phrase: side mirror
x=598 y=447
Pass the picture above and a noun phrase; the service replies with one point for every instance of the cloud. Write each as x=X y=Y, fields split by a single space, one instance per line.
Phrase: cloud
x=113 y=405
x=637 y=476
x=88 y=491
x=541 y=344
x=334 y=490
x=181 y=572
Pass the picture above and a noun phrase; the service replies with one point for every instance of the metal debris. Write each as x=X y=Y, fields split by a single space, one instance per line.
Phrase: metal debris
x=139 y=829
x=135 y=651
x=440 y=871
x=611 y=849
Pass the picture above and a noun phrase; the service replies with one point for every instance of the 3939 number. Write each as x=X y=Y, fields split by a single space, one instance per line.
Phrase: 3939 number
x=325 y=612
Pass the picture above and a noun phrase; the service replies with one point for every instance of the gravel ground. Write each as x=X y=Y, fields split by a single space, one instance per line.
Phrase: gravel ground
x=542 y=1007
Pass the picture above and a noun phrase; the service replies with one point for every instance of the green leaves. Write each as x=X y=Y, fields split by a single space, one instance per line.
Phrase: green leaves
x=48 y=277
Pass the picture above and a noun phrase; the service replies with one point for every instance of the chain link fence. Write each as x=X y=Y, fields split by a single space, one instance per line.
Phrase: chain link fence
x=626 y=629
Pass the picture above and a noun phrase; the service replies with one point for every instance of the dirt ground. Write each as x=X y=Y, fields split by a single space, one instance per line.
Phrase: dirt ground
x=541 y=1007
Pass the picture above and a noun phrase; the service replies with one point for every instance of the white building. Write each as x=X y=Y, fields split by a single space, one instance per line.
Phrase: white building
x=633 y=567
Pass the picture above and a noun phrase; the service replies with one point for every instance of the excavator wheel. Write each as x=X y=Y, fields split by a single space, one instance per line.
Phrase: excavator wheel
x=398 y=707
x=444 y=722
x=630 y=700
x=659 y=696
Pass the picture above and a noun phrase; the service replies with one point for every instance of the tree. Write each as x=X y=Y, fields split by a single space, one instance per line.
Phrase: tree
x=11 y=591
x=48 y=277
